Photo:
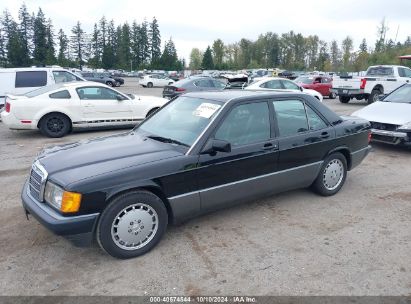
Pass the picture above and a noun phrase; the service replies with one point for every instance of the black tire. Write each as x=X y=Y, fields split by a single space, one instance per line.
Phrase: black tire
x=110 y=84
x=149 y=85
x=55 y=125
x=332 y=95
x=344 y=99
x=152 y=111
x=373 y=96
x=118 y=84
x=320 y=184
x=112 y=214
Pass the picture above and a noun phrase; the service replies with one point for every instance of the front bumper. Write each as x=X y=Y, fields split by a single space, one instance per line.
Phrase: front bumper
x=78 y=229
x=390 y=137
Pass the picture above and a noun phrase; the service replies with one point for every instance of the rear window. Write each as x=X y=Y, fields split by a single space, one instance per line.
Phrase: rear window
x=380 y=71
x=31 y=79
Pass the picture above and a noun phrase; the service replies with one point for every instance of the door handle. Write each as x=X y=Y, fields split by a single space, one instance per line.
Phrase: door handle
x=325 y=135
x=270 y=146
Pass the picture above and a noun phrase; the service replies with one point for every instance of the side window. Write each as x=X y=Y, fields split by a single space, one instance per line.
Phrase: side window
x=404 y=72
x=246 y=124
x=289 y=85
x=62 y=76
x=273 y=84
x=314 y=121
x=31 y=79
x=219 y=84
x=60 y=95
x=203 y=83
x=291 y=117
x=96 y=93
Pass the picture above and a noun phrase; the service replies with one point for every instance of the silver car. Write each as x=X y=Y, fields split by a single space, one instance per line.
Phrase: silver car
x=390 y=117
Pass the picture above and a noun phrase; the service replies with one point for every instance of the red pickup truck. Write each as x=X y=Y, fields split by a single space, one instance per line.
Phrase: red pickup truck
x=321 y=84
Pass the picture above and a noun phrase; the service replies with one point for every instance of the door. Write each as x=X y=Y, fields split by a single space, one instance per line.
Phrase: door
x=405 y=74
x=231 y=177
x=101 y=106
x=304 y=138
x=326 y=84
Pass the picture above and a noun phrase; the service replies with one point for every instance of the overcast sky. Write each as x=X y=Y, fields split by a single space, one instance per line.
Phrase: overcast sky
x=198 y=23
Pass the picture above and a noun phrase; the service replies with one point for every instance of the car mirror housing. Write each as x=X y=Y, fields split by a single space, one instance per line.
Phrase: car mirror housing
x=216 y=145
x=119 y=97
x=301 y=89
x=381 y=97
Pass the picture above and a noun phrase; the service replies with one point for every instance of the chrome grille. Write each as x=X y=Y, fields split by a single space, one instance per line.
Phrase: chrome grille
x=37 y=181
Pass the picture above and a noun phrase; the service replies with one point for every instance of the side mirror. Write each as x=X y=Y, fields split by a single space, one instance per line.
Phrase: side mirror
x=301 y=89
x=119 y=97
x=216 y=145
x=381 y=97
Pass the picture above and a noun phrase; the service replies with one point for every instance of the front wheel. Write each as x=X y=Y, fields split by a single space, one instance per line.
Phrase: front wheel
x=332 y=95
x=110 y=84
x=55 y=125
x=149 y=85
x=132 y=224
x=332 y=175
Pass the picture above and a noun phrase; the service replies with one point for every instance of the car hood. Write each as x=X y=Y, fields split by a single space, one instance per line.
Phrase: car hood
x=386 y=112
x=72 y=162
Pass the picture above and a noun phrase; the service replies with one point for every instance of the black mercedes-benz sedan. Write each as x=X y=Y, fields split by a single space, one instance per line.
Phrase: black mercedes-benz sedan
x=200 y=152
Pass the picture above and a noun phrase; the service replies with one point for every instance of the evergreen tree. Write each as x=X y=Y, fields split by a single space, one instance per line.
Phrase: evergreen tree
x=124 y=47
x=169 y=59
x=207 y=63
x=135 y=45
x=50 y=44
x=63 y=42
x=3 y=54
x=26 y=34
x=78 y=45
x=347 y=46
x=335 y=56
x=95 y=48
x=363 y=46
x=40 y=39
x=144 y=52
x=108 y=58
x=154 y=43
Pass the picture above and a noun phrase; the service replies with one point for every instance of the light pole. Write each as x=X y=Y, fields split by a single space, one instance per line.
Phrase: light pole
x=131 y=65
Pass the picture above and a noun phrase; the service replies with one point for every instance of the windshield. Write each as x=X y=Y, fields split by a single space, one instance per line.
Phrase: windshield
x=306 y=80
x=182 y=120
x=402 y=95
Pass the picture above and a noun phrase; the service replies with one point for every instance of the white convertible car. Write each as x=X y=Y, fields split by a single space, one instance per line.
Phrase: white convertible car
x=59 y=108
x=281 y=84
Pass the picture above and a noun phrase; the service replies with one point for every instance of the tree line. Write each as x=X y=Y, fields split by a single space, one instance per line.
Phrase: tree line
x=293 y=51
x=31 y=40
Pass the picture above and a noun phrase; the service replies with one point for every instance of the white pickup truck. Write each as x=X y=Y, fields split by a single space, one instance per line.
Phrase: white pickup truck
x=382 y=79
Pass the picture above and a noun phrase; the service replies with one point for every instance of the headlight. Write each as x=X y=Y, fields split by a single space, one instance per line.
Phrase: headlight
x=406 y=126
x=65 y=201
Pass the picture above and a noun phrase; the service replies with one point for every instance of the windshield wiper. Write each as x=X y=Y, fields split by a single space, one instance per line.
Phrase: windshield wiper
x=168 y=140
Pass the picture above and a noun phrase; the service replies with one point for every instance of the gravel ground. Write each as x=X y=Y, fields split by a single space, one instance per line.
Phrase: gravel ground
x=357 y=242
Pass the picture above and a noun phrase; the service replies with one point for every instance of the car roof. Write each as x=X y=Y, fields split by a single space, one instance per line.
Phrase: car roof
x=228 y=95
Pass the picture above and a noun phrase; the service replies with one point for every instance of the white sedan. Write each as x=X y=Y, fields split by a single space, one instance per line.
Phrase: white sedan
x=155 y=80
x=60 y=108
x=281 y=84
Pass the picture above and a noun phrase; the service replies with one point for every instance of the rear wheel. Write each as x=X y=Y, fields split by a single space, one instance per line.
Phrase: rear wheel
x=344 y=99
x=149 y=85
x=332 y=175
x=132 y=224
x=109 y=83
x=373 y=96
x=118 y=83
x=332 y=95
x=55 y=125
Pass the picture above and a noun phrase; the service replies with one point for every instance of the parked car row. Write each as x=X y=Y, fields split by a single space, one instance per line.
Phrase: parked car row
x=106 y=78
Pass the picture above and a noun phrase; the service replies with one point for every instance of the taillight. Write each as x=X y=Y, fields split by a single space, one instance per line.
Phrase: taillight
x=369 y=137
x=363 y=83
x=180 y=89
x=7 y=107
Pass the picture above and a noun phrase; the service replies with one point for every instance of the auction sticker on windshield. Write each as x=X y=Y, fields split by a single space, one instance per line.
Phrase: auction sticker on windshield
x=206 y=110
